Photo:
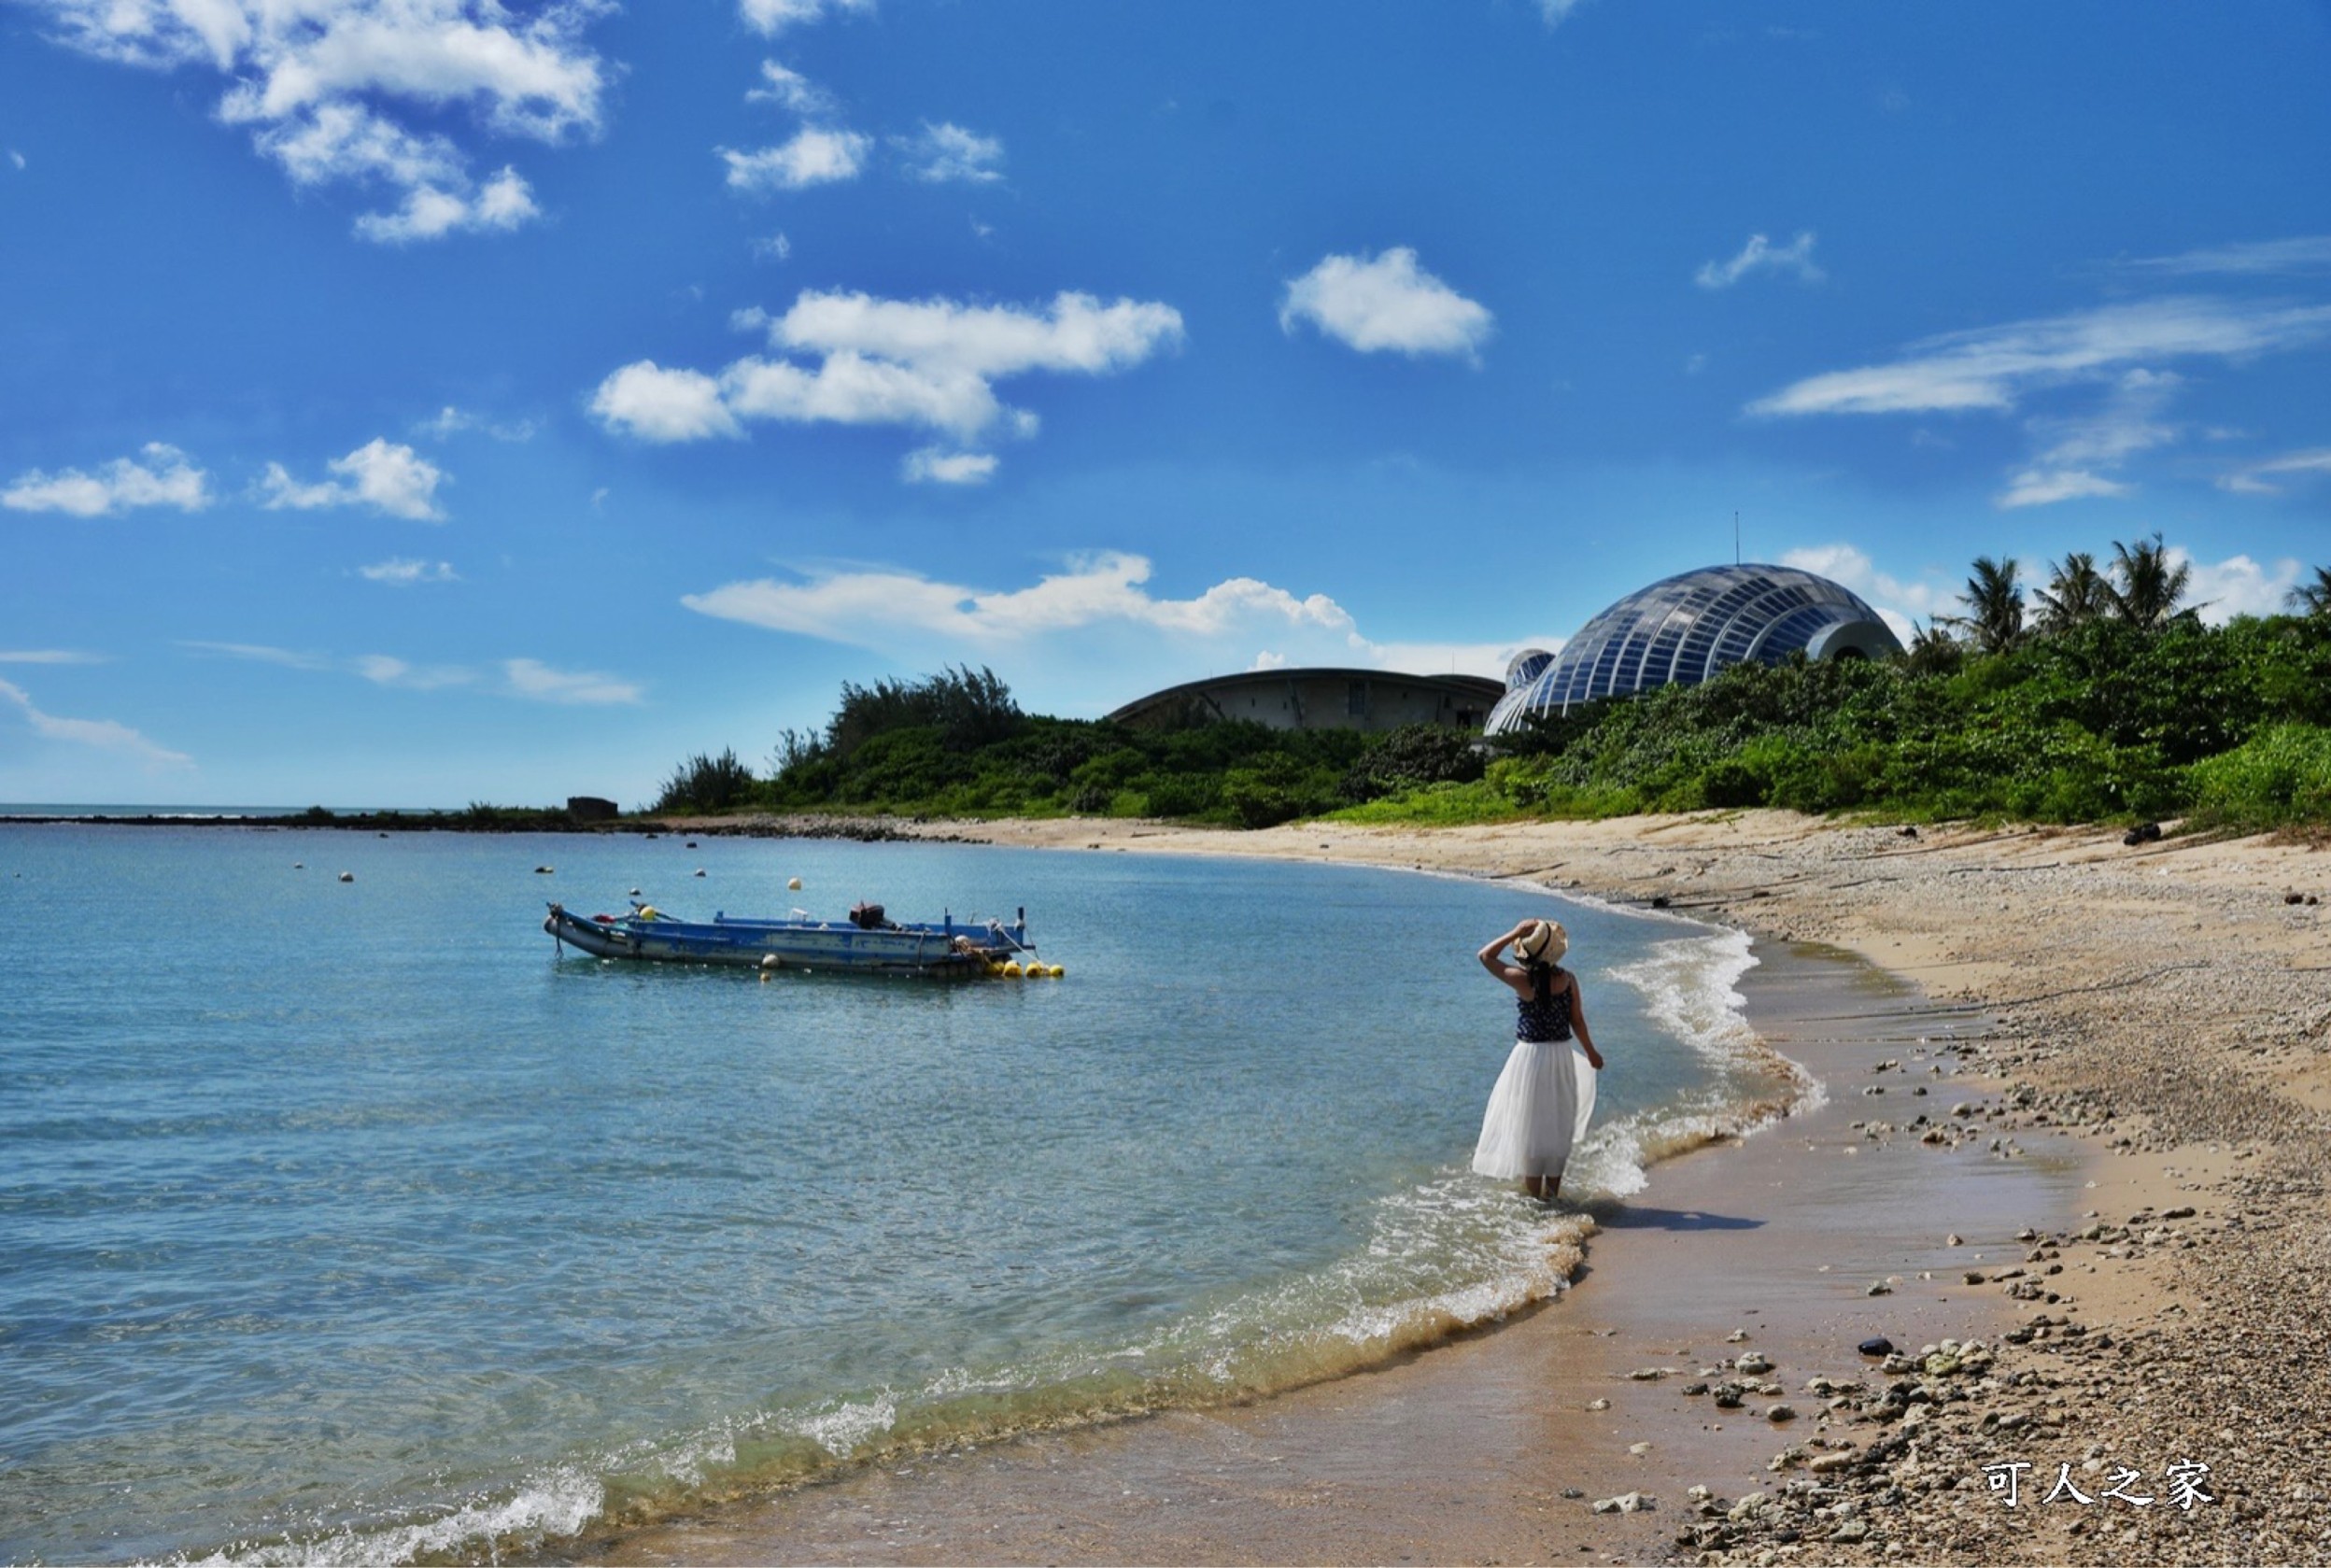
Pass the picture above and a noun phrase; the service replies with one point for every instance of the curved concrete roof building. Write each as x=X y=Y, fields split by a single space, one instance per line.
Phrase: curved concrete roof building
x=1370 y=699
x=1687 y=628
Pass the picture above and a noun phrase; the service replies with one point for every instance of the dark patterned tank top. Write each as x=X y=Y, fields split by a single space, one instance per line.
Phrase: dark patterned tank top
x=1545 y=1016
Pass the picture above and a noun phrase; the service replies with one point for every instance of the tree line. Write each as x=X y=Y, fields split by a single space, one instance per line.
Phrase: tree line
x=2099 y=695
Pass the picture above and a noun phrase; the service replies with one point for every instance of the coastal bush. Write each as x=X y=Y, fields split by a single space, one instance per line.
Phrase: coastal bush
x=708 y=784
x=2279 y=777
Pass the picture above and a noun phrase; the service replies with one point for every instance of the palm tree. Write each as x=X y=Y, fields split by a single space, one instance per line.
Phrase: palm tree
x=2313 y=598
x=2146 y=586
x=1995 y=606
x=2077 y=593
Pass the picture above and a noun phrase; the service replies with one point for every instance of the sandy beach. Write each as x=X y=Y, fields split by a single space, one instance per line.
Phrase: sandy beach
x=2069 y=1161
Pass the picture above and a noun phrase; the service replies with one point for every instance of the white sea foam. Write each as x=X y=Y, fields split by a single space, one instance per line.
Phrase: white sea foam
x=558 y=1504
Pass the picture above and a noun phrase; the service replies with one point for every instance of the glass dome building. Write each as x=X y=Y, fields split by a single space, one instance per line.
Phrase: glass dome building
x=1687 y=628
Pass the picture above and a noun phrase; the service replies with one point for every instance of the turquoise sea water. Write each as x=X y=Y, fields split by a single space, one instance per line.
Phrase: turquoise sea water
x=345 y=1222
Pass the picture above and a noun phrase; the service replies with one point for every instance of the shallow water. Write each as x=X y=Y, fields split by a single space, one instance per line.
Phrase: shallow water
x=344 y=1221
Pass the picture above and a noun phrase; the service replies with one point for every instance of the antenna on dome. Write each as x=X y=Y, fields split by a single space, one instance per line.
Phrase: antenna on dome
x=1736 y=538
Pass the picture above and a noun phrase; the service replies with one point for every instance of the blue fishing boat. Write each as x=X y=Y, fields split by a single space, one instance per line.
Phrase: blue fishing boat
x=867 y=942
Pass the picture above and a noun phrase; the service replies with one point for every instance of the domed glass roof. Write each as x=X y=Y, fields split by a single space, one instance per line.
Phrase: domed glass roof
x=1687 y=628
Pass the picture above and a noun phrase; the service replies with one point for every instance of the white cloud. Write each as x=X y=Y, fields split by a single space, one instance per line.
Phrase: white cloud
x=1761 y=255
x=1556 y=12
x=160 y=475
x=770 y=18
x=1385 y=302
x=2309 y=253
x=935 y=465
x=103 y=734
x=927 y=364
x=383 y=670
x=16 y=157
x=537 y=681
x=648 y=400
x=949 y=152
x=2237 y=586
x=790 y=89
x=2082 y=452
x=1993 y=367
x=400 y=571
x=50 y=656
x=815 y=156
x=451 y=421
x=2041 y=486
x=2257 y=479
x=776 y=248
x=1240 y=623
x=260 y=653
x=325 y=84
x=1899 y=603
x=529 y=679
x=388 y=477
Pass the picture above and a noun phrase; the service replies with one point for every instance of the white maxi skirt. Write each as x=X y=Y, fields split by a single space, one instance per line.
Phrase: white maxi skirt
x=1538 y=1110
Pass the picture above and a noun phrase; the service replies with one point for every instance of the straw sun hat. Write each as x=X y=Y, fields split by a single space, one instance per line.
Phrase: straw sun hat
x=1541 y=941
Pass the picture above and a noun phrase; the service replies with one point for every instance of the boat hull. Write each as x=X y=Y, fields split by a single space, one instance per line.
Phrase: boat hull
x=926 y=950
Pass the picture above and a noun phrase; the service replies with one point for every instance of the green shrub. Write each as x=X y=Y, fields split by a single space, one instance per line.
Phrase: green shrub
x=2279 y=777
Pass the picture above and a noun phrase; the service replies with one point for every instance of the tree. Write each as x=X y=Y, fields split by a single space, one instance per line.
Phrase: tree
x=2313 y=598
x=1934 y=651
x=2147 y=585
x=1995 y=606
x=2077 y=593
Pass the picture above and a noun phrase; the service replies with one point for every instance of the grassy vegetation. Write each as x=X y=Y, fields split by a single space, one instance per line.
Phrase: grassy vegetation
x=2115 y=704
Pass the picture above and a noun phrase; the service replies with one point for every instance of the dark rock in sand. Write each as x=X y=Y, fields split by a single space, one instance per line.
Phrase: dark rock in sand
x=1877 y=1345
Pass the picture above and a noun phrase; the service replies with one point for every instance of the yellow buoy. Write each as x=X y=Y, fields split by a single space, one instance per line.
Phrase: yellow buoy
x=1058 y=972
x=793 y=885
x=1035 y=971
x=1011 y=969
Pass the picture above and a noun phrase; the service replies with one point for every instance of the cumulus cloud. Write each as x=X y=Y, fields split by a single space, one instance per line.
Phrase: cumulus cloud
x=527 y=679
x=1385 y=302
x=943 y=152
x=391 y=478
x=928 y=364
x=1898 y=602
x=816 y=156
x=770 y=18
x=326 y=87
x=2237 y=586
x=159 y=475
x=1992 y=368
x=2259 y=478
x=103 y=734
x=936 y=465
x=1760 y=254
x=400 y=571
x=788 y=88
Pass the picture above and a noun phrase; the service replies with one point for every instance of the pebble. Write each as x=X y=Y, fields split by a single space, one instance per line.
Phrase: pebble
x=1598 y=1403
x=1627 y=1503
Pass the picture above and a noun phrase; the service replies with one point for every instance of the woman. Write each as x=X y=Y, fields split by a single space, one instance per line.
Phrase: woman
x=1545 y=1096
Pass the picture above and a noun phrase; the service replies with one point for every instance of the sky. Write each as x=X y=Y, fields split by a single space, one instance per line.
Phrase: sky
x=412 y=402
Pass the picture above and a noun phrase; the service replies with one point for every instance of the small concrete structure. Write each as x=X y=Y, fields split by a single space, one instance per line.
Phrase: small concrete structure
x=592 y=808
x=1367 y=699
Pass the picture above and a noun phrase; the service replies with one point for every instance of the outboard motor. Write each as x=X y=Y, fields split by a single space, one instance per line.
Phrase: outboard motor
x=867 y=917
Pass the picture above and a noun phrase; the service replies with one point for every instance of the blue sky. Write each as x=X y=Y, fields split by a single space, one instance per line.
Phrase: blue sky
x=413 y=402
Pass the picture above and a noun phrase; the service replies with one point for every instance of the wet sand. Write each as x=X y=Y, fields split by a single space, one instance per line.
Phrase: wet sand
x=2143 y=1105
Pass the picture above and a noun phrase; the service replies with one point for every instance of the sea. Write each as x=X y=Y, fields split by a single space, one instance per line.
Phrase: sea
x=350 y=1221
